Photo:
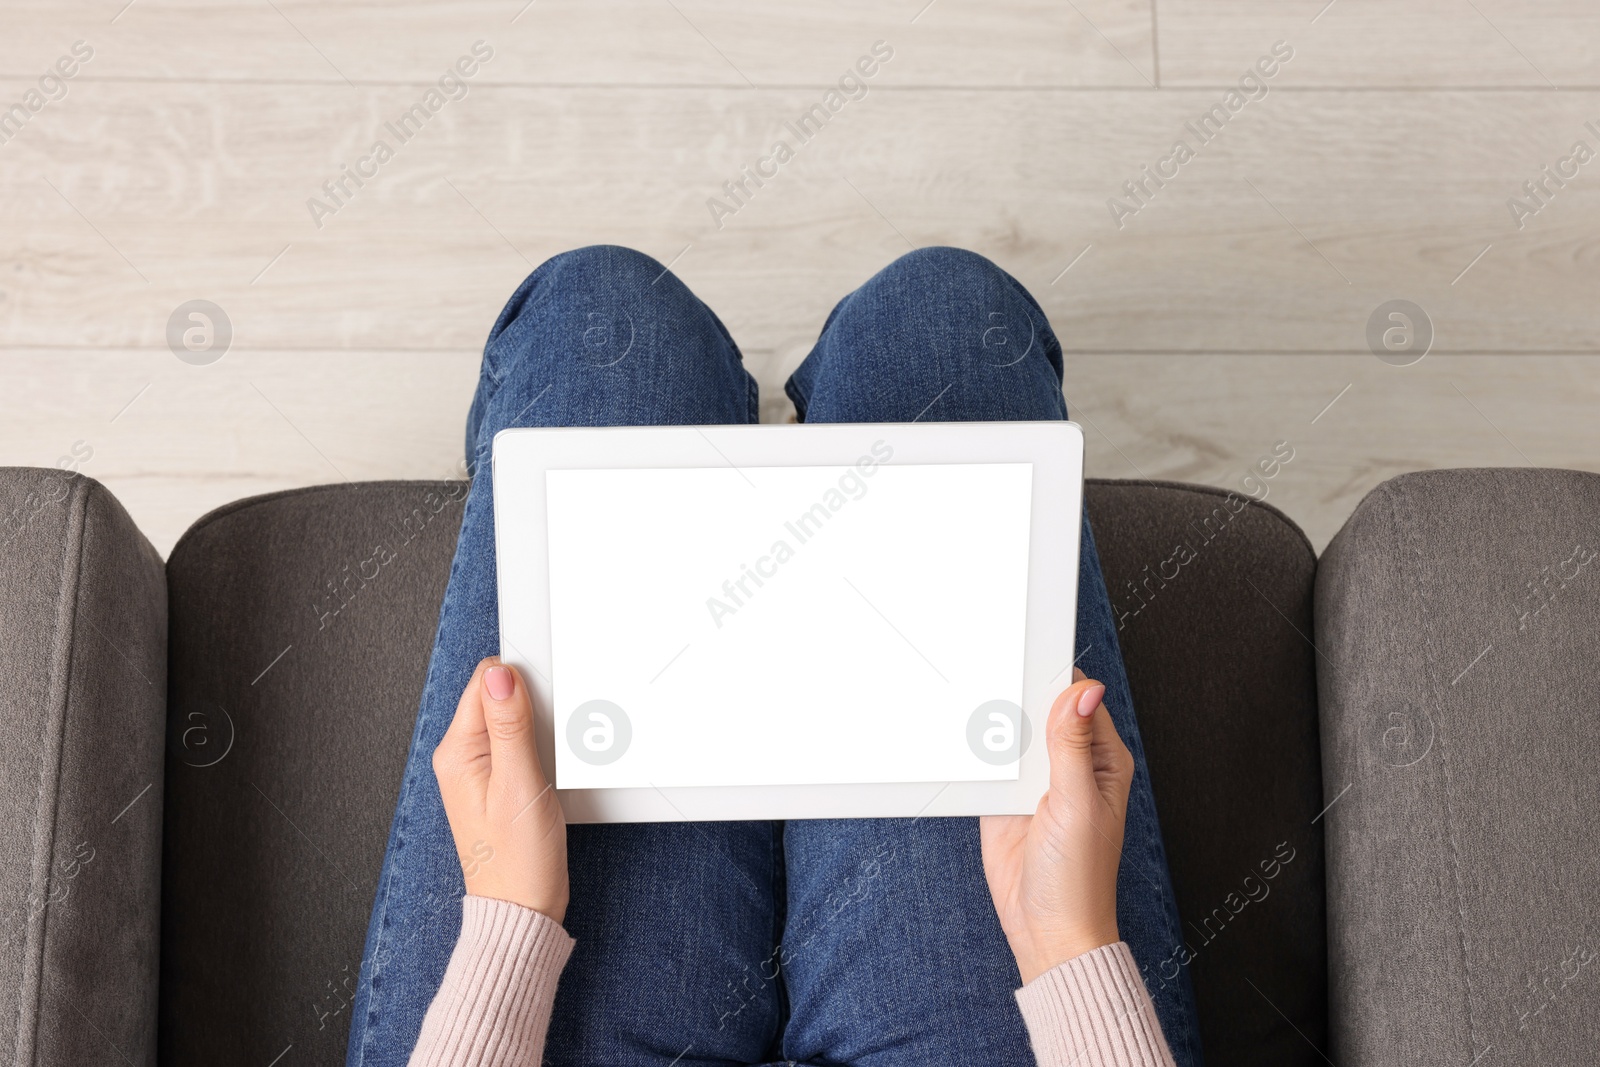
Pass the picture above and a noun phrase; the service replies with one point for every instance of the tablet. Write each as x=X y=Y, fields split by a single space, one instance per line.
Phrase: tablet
x=790 y=622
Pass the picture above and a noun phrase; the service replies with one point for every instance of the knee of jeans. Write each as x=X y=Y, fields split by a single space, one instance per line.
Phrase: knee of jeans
x=939 y=267
x=589 y=285
x=604 y=266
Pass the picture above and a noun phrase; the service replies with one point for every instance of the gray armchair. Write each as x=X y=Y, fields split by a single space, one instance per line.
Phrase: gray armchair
x=83 y=707
x=1384 y=848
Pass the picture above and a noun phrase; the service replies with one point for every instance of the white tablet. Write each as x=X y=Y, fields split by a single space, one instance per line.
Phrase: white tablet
x=790 y=622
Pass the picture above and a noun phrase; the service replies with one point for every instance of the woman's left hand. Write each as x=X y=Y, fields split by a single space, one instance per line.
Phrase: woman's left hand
x=1053 y=874
x=509 y=832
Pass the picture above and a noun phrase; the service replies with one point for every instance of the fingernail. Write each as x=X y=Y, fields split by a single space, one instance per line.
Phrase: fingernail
x=1090 y=700
x=497 y=680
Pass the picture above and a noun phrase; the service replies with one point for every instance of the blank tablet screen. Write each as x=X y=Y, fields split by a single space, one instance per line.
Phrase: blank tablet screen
x=784 y=625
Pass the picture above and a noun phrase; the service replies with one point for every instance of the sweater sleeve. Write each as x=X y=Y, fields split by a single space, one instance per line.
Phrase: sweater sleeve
x=1093 y=1011
x=494 y=1006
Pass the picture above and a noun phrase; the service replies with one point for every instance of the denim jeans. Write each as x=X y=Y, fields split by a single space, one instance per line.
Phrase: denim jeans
x=871 y=942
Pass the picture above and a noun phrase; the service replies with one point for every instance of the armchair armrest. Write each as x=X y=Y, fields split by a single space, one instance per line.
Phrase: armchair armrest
x=83 y=658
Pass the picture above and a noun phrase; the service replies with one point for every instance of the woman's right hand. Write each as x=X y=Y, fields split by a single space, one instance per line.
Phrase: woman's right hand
x=510 y=834
x=1053 y=874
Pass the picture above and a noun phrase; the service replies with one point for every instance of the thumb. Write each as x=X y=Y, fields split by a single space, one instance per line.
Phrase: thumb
x=508 y=716
x=1070 y=735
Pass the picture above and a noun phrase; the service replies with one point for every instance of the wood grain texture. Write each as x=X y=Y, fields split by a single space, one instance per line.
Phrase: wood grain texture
x=180 y=163
x=584 y=42
x=1209 y=418
x=174 y=441
x=1386 y=43
x=1284 y=234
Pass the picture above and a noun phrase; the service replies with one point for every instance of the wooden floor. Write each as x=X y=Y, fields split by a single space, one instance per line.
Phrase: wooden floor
x=1225 y=310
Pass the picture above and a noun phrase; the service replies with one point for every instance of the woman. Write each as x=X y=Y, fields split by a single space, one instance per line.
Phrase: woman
x=870 y=942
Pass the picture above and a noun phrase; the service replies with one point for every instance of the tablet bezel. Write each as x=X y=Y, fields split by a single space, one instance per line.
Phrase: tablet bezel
x=522 y=456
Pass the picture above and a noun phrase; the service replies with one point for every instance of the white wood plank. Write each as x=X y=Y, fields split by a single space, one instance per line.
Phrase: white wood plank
x=614 y=42
x=1537 y=44
x=173 y=441
x=180 y=163
x=194 y=438
x=1207 y=419
x=1284 y=234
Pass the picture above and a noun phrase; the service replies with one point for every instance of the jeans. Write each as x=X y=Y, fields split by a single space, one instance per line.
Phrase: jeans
x=871 y=942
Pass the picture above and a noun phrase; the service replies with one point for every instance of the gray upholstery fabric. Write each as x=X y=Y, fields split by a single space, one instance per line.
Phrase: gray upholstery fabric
x=83 y=631
x=272 y=850
x=1214 y=599
x=1458 y=613
x=301 y=627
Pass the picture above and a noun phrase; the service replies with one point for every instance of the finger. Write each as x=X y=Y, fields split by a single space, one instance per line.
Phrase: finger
x=508 y=716
x=1105 y=736
x=1111 y=756
x=465 y=739
x=1070 y=733
x=468 y=721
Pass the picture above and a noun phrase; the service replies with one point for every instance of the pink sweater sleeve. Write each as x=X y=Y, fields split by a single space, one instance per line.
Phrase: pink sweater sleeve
x=494 y=1006
x=1094 y=1011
